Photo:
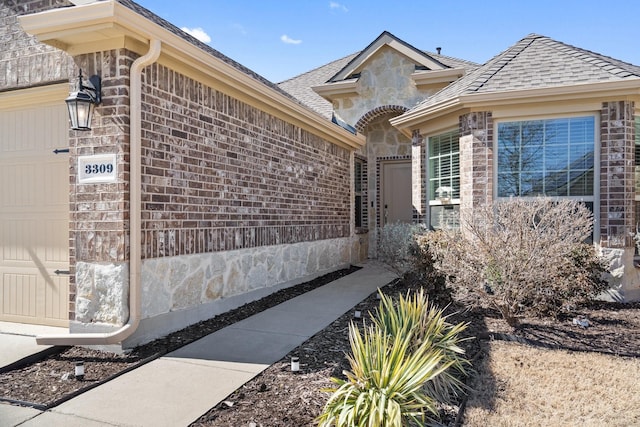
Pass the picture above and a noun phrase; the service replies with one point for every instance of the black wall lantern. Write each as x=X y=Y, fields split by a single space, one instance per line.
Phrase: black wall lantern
x=80 y=104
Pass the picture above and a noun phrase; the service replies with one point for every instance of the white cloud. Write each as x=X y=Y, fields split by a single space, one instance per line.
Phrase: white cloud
x=288 y=40
x=239 y=28
x=198 y=33
x=336 y=5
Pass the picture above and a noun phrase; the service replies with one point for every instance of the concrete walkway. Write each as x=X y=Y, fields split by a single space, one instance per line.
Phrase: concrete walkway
x=17 y=341
x=179 y=387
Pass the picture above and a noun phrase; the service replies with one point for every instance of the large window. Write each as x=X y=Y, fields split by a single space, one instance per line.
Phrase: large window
x=552 y=157
x=444 y=179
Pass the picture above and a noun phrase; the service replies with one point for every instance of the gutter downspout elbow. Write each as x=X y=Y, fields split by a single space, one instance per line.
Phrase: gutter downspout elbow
x=135 y=200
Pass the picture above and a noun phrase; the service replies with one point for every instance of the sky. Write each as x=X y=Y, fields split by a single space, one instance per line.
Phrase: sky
x=285 y=38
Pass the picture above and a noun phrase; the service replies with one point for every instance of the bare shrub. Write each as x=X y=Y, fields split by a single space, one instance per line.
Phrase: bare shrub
x=521 y=256
x=394 y=246
x=423 y=273
x=400 y=251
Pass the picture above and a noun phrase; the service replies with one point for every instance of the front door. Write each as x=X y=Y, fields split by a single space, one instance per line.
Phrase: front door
x=396 y=193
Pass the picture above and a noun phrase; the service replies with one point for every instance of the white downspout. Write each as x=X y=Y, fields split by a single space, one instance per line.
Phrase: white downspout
x=135 y=200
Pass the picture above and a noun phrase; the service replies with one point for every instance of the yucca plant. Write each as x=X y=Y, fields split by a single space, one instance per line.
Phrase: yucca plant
x=422 y=323
x=385 y=385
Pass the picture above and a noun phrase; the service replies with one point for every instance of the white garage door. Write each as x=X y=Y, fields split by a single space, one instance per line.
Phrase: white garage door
x=34 y=215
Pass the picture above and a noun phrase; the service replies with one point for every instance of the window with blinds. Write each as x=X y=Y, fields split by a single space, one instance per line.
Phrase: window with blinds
x=444 y=165
x=552 y=157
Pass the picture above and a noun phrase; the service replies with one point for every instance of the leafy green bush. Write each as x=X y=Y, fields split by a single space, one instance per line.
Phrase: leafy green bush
x=401 y=367
x=414 y=316
x=385 y=385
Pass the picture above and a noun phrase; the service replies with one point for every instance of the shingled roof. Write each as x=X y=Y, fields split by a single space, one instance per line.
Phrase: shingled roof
x=300 y=86
x=205 y=47
x=535 y=62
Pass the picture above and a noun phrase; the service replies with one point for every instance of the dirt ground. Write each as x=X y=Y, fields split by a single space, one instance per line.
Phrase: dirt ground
x=280 y=397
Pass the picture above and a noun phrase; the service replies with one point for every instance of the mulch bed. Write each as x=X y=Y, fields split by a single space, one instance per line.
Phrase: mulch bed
x=49 y=382
x=280 y=397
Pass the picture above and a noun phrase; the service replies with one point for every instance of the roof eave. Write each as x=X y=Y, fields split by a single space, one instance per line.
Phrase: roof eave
x=337 y=89
x=109 y=24
x=628 y=88
x=430 y=77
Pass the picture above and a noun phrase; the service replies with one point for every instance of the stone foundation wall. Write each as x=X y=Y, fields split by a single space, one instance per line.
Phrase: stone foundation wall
x=623 y=276
x=102 y=293
x=181 y=290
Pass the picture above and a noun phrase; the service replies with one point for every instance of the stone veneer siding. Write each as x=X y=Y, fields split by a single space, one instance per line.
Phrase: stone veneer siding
x=384 y=143
x=385 y=81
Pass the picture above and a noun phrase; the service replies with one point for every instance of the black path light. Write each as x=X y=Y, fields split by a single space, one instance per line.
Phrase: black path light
x=80 y=104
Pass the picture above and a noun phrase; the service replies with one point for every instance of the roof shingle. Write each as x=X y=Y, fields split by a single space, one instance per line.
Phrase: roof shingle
x=535 y=62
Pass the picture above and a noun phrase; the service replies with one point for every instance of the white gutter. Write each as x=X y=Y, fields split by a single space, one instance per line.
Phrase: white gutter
x=135 y=199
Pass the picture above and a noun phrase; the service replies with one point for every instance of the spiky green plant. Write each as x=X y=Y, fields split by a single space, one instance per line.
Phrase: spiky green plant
x=385 y=385
x=422 y=322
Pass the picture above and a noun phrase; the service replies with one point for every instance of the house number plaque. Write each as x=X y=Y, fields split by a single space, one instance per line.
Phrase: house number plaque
x=97 y=169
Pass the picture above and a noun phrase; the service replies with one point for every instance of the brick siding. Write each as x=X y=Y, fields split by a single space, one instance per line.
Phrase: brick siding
x=617 y=181
x=25 y=62
x=100 y=212
x=476 y=160
x=221 y=175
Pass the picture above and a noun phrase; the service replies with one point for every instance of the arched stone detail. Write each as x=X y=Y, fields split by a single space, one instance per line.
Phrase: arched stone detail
x=377 y=112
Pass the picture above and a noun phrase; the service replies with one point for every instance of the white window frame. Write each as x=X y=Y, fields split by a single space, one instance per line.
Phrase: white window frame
x=427 y=158
x=595 y=199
